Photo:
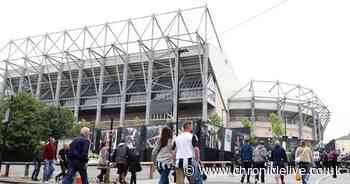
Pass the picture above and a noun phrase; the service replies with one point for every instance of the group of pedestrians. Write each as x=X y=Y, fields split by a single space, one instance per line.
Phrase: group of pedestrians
x=258 y=157
x=72 y=158
x=180 y=155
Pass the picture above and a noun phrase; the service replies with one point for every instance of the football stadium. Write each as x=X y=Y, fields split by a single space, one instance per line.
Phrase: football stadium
x=152 y=71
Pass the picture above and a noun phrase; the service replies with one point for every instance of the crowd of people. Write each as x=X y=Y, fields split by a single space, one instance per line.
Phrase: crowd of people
x=301 y=160
x=177 y=158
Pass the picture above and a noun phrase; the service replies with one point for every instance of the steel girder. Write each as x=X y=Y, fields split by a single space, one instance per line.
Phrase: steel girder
x=132 y=56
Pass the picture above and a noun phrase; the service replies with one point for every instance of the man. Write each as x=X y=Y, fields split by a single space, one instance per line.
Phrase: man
x=78 y=157
x=63 y=158
x=333 y=161
x=38 y=158
x=246 y=154
x=186 y=148
x=278 y=158
x=120 y=156
x=49 y=156
x=259 y=159
x=304 y=156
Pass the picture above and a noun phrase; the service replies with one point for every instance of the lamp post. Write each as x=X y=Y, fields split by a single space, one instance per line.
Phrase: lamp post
x=179 y=52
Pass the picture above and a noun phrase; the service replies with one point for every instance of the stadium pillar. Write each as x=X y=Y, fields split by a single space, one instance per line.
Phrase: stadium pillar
x=149 y=87
x=58 y=84
x=176 y=88
x=320 y=136
x=301 y=122
x=314 y=123
x=204 y=83
x=38 y=85
x=4 y=82
x=78 y=93
x=124 y=90
x=21 y=80
x=100 y=93
x=252 y=114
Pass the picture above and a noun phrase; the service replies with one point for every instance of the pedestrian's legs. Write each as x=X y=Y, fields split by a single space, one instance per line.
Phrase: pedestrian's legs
x=83 y=174
x=36 y=170
x=334 y=165
x=261 y=167
x=180 y=176
x=282 y=178
x=256 y=168
x=72 y=170
x=164 y=176
x=46 y=170
x=51 y=169
x=133 y=178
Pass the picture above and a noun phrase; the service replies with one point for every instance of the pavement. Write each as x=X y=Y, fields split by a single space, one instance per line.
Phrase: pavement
x=322 y=179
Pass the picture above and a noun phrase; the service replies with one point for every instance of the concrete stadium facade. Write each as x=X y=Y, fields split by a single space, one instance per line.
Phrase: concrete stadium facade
x=303 y=114
x=149 y=66
x=145 y=70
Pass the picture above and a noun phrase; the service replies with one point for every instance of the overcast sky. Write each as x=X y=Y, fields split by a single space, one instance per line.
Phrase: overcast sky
x=301 y=41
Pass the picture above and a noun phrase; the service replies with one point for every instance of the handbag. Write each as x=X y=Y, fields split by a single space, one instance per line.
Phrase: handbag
x=297 y=175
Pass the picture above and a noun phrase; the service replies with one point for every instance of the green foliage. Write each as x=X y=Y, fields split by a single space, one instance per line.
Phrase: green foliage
x=215 y=119
x=32 y=122
x=75 y=130
x=137 y=120
x=276 y=124
x=246 y=123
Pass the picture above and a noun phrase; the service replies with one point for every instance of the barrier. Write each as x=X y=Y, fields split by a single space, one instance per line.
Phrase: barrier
x=144 y=164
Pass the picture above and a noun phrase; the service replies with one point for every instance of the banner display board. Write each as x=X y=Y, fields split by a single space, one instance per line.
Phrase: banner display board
x=212 y=137
x=131 y=136
x=228 y=140
x=153 y=135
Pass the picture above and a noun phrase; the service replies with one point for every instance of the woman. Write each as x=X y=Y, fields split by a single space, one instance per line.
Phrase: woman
x=134 y=164
x=304 y=158
x=103 y=162
x=163 y=155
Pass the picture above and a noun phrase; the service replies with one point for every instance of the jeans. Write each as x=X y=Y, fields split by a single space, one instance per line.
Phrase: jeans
x=305 y=176
x=64 y=166
x=247 y=165
x=48 y=169
x=75 y=166
x=261 y=167
x=36 y=169
x=133 y=178
x=164 y=175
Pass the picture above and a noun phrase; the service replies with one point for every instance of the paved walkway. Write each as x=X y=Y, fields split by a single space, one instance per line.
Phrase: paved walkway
x=211 y=180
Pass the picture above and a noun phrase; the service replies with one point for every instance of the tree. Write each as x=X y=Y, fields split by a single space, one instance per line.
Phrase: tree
x=276 y=124
x=31 y=122
x=215 y=119
x=249 y=125
x=76 y=128
x=246 y=123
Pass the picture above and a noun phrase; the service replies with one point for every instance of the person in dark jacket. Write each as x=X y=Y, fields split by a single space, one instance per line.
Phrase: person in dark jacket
x=134 y=164
x=333 y=161
x=63 y=158
x=78 y=157
x=278 y=158
x=246 y=155
x=38 y=158
x=120 y=156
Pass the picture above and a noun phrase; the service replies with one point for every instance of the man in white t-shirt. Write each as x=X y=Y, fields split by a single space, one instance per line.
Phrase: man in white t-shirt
x=186 y=148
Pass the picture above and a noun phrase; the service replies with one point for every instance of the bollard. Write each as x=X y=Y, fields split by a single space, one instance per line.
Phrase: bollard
x=26 y=170
x=7 y=170
x=151 y=170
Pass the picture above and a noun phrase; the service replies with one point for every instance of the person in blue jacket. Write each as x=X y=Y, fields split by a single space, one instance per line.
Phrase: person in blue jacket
x=246 y=155
x=78 y=157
